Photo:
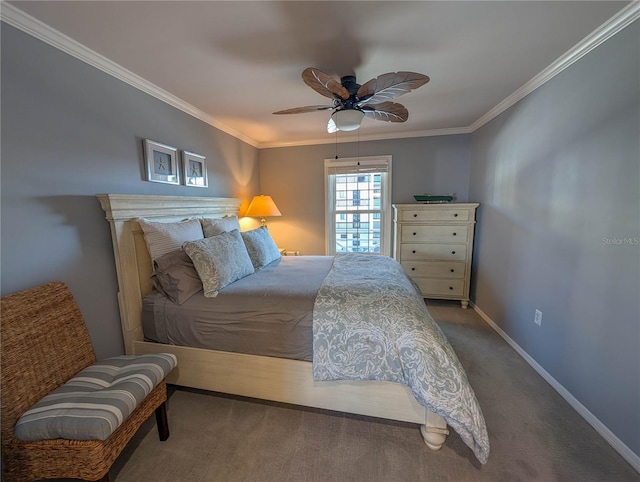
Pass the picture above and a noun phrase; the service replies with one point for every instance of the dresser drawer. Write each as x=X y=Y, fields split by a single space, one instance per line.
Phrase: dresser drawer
x=435 y=269
x=434 y=234
x=448 y=252
x=435 y=214
x=440 y=287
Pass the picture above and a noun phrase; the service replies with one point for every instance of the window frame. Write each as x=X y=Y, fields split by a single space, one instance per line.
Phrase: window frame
x=385 y=210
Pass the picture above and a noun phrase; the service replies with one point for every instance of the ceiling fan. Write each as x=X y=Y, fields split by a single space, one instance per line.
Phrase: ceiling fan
x=352 y=101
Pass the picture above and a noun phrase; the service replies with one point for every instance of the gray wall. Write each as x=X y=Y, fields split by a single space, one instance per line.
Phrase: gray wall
x=69 y=132
x=558 y=180
x=294 y=177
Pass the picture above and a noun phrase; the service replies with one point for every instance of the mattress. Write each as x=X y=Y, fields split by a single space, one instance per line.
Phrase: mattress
x=267 y=313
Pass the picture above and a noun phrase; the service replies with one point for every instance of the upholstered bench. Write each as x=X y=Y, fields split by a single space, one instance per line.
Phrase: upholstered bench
x=95 y=402
x=63 y=414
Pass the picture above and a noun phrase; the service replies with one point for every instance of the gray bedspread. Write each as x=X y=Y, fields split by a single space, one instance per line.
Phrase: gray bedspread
x=371 y=323
x=267 y=313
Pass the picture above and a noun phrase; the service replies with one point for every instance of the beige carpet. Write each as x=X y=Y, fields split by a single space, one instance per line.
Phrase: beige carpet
x=534 y=433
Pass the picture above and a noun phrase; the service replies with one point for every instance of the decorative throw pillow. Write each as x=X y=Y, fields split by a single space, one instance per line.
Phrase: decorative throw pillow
x=175 y=276
x=163 y=238
x=219 y=260
x=261 y=247
x=215 y=226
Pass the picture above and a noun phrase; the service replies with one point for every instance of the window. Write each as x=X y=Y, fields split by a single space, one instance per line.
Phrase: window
x=358 y=205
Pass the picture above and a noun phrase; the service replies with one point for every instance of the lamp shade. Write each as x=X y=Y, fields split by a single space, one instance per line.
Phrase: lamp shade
x=261 y=207
x=348 y=119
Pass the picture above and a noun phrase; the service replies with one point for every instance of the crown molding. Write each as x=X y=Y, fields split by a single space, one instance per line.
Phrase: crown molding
x=34 y=27
x=615 y=24
x=343 y=138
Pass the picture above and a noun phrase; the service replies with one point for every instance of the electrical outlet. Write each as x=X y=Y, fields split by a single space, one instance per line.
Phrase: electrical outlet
x=538 y=318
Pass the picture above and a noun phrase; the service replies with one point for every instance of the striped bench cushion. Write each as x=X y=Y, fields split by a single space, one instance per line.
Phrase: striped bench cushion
x=94 y=403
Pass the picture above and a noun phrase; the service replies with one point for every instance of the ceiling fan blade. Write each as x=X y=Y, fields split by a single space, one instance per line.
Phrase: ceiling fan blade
x=324 y=84
x=302 y=110
x=389 y=86
x=386 y=111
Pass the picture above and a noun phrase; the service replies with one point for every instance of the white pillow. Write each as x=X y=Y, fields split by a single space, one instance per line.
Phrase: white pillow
x=215 y=226
x=219 y=260
x=162 y=238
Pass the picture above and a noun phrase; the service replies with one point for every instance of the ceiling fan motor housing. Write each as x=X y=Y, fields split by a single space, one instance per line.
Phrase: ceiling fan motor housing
x=349 y=83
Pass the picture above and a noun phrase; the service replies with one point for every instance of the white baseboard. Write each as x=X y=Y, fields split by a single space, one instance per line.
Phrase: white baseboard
x=608 y=435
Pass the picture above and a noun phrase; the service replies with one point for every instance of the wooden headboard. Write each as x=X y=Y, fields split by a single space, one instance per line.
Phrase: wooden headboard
x=133 y=263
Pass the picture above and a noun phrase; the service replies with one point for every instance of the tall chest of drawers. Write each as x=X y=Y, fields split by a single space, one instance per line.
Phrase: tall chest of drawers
x=434 y=245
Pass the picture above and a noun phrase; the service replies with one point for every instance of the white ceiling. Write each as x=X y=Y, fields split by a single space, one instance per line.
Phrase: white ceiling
x=234 y=63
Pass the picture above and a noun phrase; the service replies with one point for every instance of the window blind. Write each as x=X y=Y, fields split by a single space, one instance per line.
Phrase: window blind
x=357 y=167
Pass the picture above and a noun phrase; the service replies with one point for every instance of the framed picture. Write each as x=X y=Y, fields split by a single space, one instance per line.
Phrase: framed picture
x=161 y=162
x=194 y=169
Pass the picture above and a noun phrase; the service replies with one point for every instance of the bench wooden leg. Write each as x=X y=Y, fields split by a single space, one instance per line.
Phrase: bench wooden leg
x=163 y=423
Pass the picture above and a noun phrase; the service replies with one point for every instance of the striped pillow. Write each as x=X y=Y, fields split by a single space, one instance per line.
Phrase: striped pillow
x=215 y=226
x=162 y=238
x=94 y=403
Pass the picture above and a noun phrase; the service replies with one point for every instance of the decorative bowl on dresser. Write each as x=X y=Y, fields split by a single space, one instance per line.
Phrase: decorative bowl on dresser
x=434 y=244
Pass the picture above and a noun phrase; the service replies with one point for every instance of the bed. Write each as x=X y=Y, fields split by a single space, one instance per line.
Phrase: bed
x=259 y=376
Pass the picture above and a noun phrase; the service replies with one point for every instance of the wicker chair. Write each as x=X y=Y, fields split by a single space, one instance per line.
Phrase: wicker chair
x=45 y=343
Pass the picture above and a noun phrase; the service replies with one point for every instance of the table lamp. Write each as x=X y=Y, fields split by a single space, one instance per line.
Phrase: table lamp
x=261 y=207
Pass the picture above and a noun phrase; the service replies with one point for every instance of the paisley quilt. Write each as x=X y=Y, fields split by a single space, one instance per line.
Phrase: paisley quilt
x=371 y=323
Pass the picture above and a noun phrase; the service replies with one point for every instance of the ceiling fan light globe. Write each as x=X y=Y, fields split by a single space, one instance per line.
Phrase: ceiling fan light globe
x=347 y=119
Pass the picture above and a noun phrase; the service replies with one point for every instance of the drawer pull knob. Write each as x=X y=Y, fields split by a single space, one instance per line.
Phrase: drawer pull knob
x=455 y=234
x=455 y=215
x=415 y=215
x=450 y=287
x=413 y=269
x=453 y=270
x=414 y=251
x=452 y=252
x=415 y=234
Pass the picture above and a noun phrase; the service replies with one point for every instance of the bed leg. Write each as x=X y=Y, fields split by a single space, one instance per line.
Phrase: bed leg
x=434 y=431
